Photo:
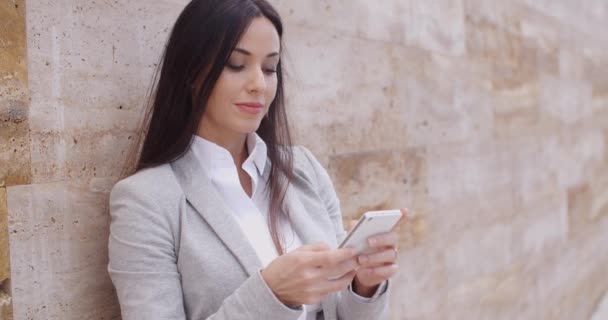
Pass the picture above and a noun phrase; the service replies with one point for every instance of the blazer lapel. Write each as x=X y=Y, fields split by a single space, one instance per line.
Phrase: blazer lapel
x=201 y=194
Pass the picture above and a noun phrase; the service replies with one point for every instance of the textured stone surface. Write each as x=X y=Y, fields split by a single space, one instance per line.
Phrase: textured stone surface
x=14 y=137
x=488 y=119
x=59 y=232
x=5 y=294
x=14 y=128
x=4 y=253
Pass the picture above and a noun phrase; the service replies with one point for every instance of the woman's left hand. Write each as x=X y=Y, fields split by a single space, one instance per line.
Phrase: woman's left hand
x=379 y=265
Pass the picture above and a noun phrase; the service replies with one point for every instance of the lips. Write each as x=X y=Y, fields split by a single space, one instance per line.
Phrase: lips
x=250 y=107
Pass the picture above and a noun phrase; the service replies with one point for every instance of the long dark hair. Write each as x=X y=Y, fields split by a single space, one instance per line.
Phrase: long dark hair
x=202 y=39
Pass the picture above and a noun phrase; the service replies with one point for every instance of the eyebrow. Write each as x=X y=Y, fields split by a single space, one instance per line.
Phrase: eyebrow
x=245 y=52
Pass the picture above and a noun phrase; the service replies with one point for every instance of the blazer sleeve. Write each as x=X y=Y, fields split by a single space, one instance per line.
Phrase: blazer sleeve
x=143 y=265
x=349 y=307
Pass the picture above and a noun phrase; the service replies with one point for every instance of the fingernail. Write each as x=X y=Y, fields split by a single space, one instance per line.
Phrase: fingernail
x=372 y=241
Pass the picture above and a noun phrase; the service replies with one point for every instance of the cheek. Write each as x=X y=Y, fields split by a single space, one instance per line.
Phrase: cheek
x=220 y=96
x=224 y=91
x=271 y=89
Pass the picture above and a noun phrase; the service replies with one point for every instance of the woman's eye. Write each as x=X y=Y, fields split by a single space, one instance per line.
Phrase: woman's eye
x=235 y=67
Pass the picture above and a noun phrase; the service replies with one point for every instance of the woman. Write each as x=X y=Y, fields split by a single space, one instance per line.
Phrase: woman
x=223 y=218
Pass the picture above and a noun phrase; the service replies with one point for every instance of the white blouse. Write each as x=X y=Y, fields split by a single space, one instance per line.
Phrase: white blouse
x=251 y=213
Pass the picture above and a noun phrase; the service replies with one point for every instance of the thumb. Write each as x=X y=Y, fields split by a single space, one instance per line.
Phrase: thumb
x=405 y=213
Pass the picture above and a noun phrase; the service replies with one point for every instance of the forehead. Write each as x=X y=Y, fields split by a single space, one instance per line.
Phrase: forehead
x=261 y=37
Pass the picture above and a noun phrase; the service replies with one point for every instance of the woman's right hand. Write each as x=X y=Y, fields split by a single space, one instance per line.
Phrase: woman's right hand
x=307 y=274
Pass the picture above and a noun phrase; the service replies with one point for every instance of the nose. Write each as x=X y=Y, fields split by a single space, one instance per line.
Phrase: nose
x=257 y=80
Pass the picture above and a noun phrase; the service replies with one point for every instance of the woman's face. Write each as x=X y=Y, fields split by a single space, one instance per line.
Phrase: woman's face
x=247 y=85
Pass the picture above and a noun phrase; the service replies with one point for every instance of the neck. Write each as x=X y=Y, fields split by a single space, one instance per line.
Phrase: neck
x=235 y=143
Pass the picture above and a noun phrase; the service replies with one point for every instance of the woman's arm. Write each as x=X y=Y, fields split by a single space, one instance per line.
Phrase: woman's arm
x=143 y=265
x=350 y=306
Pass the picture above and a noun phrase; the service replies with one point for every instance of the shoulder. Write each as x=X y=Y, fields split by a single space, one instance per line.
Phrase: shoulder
x=157 y=186
x=307 y=167
x=305 y=164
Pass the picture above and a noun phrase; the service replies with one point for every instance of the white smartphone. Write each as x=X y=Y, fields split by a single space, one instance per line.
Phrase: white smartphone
x=371 y=223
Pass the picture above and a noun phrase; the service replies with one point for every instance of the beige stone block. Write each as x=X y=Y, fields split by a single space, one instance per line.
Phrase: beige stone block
x=573 y=156
x=89 y=80
x=501 y=295
x=13 y=49
x=566 y=100
x=552 y=162
x=539 y=224
x=588 y=203
x=14 y=142
x=516 y=110
x=432 y=25
x=383 y=21
x=420 y=285
x=86 y=37
x=441 y=108
x=340 y=96
x=436 y=25
x=479 y=251
x=14 y=139
x=79 y=155
x=480 y=183
x=574 y=19
x=560 y=282
x=571 y=64
x=570 y=280
x=482 y=243
x=504 y=15
x=595 y=62
x=513 y=59
x=58 y=237
x=542 y=30
x=469 y=170
x=380 y=180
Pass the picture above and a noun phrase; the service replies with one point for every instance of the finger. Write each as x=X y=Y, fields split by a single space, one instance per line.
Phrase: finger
x=331 y=258
x=383 y=272
x=339 y=283
x=341 y=269
x=389 y=239
x=405 y=213
x=378 y=259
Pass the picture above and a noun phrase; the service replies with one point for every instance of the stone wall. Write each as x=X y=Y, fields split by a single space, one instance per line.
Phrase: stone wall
x=14 y=144
x=488 y=119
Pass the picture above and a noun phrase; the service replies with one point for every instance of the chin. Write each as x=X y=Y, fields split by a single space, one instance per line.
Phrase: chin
x=249 y=126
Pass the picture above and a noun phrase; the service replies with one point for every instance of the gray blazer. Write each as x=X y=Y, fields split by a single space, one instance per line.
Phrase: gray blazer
x=176 y=252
